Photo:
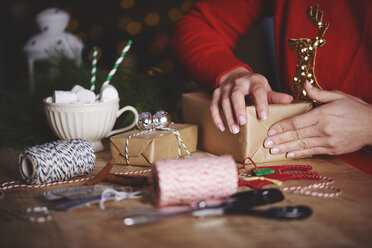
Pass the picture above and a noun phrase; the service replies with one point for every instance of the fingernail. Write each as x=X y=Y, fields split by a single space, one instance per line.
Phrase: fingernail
x=235 y=129
x=268 y=143
x=221 y=127
x=290 y=155
x=274 y=150
x=309 y=85
x=241 y=120
x=263 y=115
x=271 y=132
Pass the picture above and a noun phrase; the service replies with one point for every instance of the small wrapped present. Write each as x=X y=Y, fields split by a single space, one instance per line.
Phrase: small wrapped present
x=148 y=147
x=249 y=141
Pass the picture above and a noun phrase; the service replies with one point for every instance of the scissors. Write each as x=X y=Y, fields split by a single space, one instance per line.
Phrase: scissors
x=239 y=203
x=283 y=213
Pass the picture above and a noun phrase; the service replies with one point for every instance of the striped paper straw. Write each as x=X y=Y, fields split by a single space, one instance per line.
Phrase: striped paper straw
x=118 y=61
x=94 y=69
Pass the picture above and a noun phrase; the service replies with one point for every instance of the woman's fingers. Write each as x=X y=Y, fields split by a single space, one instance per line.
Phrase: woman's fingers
x=308 y=152
x=320 y=95
x=295 y=123
x=238 y=102
x=292 y=135
x=298 y=145
x=228 y=112
x=221 y=100
x=277 y=97
x=215 y=110
x=259 y=94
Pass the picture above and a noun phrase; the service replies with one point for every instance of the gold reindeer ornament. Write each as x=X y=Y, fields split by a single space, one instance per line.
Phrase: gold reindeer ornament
x=306 y=50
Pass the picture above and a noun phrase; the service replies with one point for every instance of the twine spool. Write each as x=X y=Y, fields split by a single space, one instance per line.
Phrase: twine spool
x=56 y=161
x=187 y=181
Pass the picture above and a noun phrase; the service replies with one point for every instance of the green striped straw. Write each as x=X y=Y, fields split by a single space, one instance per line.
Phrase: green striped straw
x=94 y=69
x=118 y=61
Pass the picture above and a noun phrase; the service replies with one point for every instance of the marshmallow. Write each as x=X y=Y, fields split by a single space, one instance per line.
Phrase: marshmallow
x=77 y=88
x=85 y=96
x=108 y=93
x=60 y=96
x=49 y=99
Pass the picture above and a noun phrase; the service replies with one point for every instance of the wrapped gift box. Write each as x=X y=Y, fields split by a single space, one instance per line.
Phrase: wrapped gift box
x=249 y=141
x=147 y=148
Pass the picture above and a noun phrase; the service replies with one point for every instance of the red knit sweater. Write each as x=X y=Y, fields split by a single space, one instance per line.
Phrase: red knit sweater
x=207 y=34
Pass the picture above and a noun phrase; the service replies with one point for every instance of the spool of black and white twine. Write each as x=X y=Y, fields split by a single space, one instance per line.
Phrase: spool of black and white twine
x=56 y=161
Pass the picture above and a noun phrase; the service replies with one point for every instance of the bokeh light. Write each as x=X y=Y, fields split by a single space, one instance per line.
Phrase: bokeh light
x=175 y=14
x=152 y=19
x=134 y=28
x=127 y=4
x=185 y=6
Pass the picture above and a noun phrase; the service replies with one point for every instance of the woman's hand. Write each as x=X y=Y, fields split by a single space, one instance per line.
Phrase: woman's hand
x=230 y=96
x=342 y=125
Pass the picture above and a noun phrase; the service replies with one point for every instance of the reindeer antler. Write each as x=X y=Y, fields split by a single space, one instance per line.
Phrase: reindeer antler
x=316 y=16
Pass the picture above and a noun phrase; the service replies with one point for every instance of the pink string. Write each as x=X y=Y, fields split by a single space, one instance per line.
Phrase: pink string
x=187 y=181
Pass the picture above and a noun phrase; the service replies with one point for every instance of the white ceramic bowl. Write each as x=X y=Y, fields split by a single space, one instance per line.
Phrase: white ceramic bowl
x=91 y=122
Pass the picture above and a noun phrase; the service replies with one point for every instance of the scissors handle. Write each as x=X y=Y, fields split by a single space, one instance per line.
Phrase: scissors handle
x=253 y=198
x=284 y=213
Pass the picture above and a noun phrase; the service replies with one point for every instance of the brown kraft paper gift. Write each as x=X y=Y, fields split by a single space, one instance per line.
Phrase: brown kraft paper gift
x=249 y=141
x=147 y=148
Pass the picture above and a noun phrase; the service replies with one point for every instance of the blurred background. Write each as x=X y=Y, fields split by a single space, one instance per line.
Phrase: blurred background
x=109 y=25
x=106 y=24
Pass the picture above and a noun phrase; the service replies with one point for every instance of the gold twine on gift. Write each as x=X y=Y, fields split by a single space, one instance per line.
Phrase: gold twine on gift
x=174 y=131
x=306 y=50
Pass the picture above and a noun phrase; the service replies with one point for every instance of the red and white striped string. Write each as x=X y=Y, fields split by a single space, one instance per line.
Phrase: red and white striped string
x=18 y=184
x=306 y=190
x=132 y=172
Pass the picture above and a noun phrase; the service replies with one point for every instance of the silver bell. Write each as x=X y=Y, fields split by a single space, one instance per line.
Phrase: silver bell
x=161 y=119
x=145 y=121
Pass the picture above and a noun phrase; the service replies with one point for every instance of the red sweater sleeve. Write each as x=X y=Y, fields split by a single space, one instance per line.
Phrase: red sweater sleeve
x=205 y=37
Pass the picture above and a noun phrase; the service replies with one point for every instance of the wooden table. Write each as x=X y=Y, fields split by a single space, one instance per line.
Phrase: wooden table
x=345 y=221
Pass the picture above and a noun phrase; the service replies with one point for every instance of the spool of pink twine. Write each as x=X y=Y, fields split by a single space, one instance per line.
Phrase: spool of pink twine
x=186 y=181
